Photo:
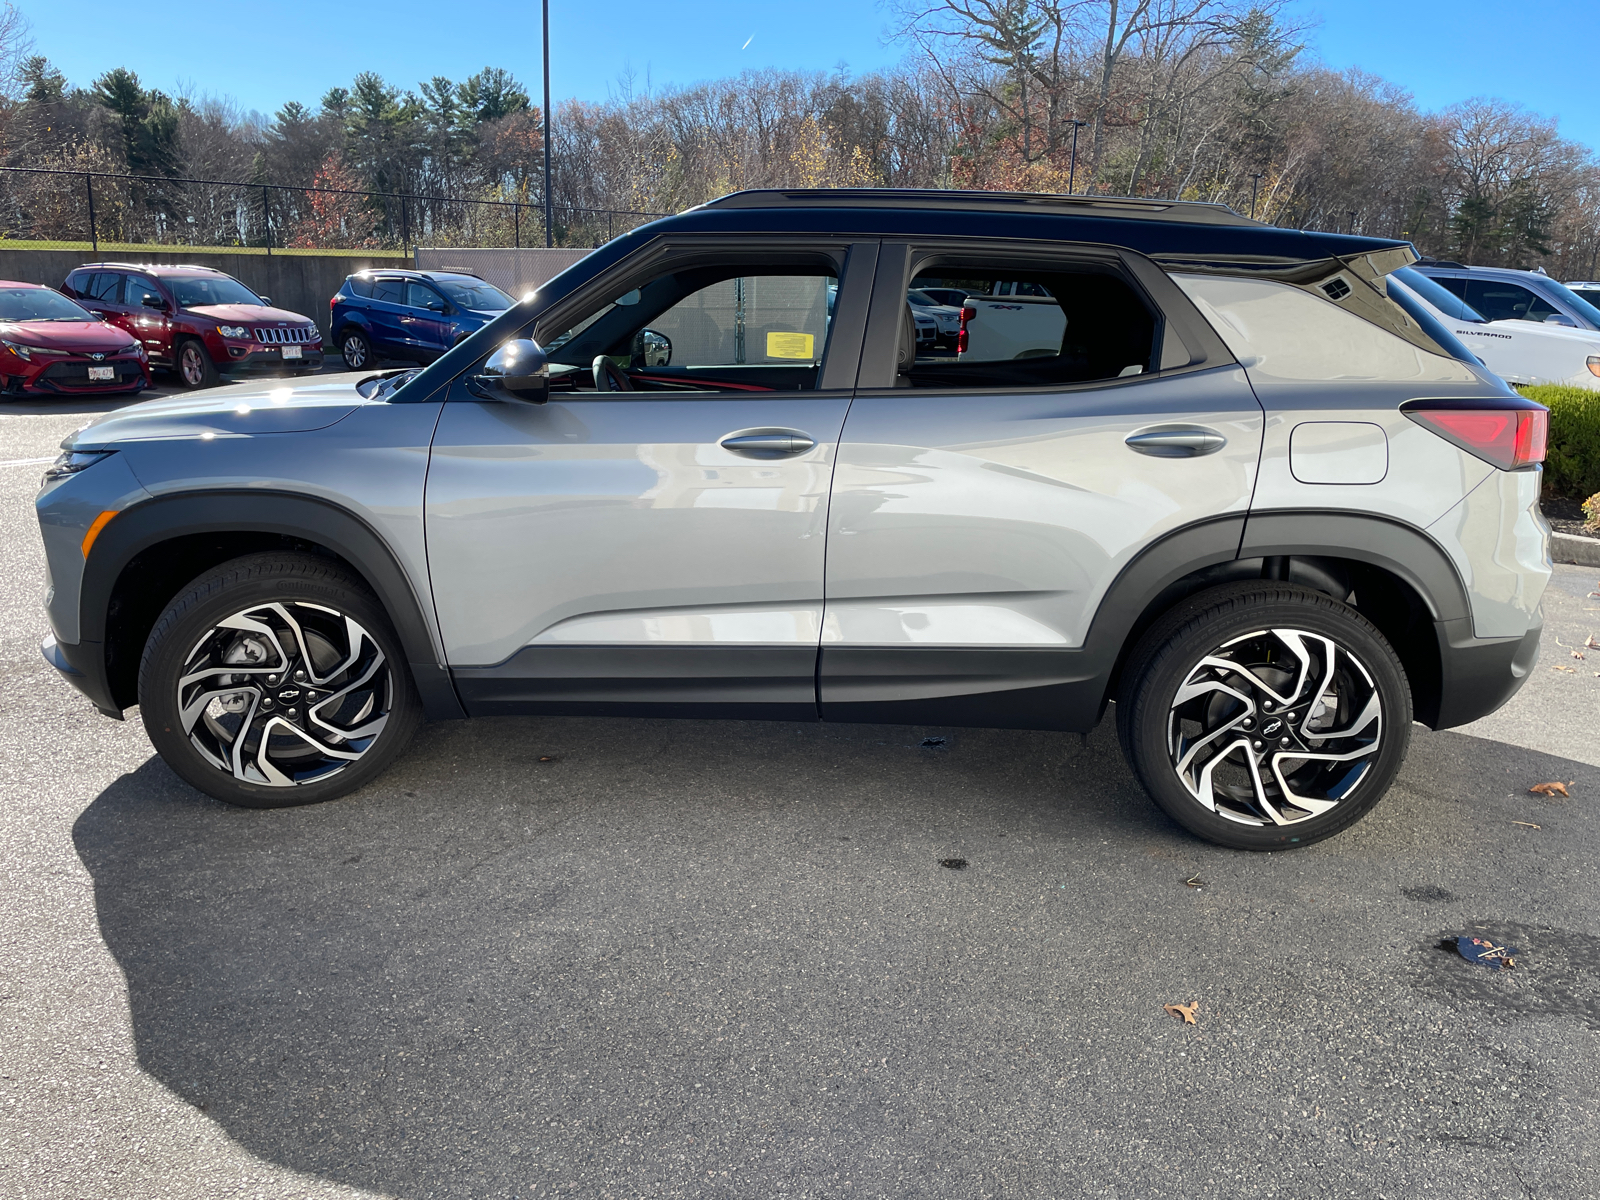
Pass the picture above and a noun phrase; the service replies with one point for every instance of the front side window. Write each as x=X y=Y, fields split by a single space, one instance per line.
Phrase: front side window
x=1029 y=328
x=202 y=291
x=705 y=329
x=1507 y=301
x=420 y=295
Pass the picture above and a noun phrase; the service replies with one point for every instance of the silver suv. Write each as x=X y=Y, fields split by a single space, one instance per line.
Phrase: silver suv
x=1228 y=481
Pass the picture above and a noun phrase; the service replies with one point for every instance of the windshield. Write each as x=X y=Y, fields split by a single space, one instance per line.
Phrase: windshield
x=1450 y=304
x=38 y=304
x=198 y=291
x=474 y=294
x=1584 y=309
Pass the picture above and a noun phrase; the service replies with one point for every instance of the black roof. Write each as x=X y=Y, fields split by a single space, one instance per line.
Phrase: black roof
x=1122 y=207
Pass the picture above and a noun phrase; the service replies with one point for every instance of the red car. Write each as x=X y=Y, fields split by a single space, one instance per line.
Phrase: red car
x=196 y=322
x=51 y=346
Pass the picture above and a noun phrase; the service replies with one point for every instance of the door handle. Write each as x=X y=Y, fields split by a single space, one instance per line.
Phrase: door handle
x=1177 y=441
x=774 y=442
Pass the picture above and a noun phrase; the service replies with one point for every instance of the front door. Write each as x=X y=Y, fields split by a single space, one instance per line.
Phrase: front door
x=424 y=320
x=985 y=499
x=652 y=538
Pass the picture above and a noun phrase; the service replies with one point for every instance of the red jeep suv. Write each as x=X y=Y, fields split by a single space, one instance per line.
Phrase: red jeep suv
x=197 y=322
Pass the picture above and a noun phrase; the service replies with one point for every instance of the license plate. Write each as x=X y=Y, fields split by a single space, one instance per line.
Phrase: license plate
x=291 y=351
x=102 y=374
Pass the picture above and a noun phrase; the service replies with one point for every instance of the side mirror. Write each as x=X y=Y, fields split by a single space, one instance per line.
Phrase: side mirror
x=518 y=372
x=1561 y=319
x=98 y=315
x=434 y=306
x=267 y=300
x=651 y=349
x=151 y=300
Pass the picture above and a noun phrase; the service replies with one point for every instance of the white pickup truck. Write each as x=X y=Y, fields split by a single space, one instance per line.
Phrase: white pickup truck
x=1003 y=327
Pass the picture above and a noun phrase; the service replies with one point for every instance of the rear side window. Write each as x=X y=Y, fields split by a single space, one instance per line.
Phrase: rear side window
x=360 y=286
x=1034 y=328
x=104 y=286
x=1280 y=332
x=389 y=291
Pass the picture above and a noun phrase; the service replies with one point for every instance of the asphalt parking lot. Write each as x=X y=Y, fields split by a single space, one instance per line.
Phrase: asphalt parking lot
x=612 y=958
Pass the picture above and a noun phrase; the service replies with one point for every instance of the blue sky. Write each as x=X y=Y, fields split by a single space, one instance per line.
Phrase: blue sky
x=1541 y=56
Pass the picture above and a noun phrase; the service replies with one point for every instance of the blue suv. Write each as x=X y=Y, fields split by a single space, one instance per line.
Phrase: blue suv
x=412 y=315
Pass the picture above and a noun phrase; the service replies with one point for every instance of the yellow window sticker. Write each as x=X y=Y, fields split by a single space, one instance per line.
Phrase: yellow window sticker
x=790 y=345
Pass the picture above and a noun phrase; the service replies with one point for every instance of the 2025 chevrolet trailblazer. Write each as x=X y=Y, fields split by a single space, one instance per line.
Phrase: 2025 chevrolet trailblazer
x=1271 y=508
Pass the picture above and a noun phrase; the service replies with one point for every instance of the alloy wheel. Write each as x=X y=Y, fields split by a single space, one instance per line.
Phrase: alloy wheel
x=1275 y=727
x=355 y=353
x=285 y=694
x=189 y=364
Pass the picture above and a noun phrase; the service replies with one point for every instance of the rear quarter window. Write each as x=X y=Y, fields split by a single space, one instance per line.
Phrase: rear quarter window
x=1280 y=332
x=360 y=287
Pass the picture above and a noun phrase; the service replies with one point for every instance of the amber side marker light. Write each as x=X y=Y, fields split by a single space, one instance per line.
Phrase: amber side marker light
x=100 y=523
x=1508 y=435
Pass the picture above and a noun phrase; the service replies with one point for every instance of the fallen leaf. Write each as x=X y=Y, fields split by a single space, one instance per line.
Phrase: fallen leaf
x=1194 y=881
x=1591 y=644
x=1486 y=954
x=1568 y=670
x=1556 y=788
x=1183 y=1011
x=1577 y=654
x=547 y=758
x=1529 y=824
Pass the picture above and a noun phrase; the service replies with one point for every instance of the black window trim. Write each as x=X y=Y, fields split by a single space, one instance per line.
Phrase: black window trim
x=1187 y=341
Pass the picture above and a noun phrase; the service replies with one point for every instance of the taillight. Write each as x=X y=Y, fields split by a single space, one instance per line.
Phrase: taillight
x=336 y=298
x=967 y=314
x=1509 y=437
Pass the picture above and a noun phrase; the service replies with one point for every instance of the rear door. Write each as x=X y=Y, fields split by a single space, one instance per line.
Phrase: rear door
x=982 y=505
x=660 y=548
x=424 y=320
x=386 y=309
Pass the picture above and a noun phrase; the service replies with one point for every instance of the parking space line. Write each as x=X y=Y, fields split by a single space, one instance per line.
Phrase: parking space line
x=26 y=462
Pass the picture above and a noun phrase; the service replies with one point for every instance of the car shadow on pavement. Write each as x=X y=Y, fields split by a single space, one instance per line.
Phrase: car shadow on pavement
x=646 y=958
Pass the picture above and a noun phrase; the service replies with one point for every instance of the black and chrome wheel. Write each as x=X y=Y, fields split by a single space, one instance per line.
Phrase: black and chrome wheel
x=276 y=681
x=356 y=350
x=194 y=367
x=1265 y=716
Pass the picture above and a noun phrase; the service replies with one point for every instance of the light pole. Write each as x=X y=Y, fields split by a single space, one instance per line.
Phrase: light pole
x=1072 y=171
x=1255 y=181
x=549 y=206
x=1351 y=227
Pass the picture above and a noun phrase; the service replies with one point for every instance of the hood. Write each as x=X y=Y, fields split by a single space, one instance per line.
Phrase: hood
x=85 y=336
x=248 y=314
x=245 y=410
x=1538 y=329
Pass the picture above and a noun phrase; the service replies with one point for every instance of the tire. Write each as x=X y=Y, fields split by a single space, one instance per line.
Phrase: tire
x=1238 y=652
x=193 y=366
x=356 y=350
x=253 y=614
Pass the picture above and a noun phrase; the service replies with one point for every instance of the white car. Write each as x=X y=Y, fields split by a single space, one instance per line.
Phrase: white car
x=1517 y=351
x=946 y=317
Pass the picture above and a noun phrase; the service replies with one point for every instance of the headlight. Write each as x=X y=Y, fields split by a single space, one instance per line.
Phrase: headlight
x=26 y=353
x=73 y=461
x=233 y=331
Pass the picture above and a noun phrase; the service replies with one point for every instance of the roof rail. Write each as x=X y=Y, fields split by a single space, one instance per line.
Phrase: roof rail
x=146 y=266
x=1121 y=207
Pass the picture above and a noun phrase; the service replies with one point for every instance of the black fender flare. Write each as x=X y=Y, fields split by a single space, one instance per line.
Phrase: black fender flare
x=236 y=511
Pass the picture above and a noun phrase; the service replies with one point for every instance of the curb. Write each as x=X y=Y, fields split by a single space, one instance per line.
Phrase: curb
x=1570 y=548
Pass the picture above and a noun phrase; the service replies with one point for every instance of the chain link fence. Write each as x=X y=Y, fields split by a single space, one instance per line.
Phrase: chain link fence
x=93 y=210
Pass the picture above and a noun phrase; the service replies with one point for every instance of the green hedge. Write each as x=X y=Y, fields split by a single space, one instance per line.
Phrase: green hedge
x=1572 y=464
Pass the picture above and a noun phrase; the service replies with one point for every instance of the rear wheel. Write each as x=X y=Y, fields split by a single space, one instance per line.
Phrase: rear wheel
x=193 y=366
x=355 y=349
x=275 y=681
x=1264 y=716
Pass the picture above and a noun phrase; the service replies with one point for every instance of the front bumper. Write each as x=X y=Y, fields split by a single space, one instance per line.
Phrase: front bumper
x=83 y=665
x=254 y=360
x=1478 y=675
x=70 y=377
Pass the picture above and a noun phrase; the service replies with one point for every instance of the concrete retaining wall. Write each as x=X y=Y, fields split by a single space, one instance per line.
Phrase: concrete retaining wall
x=301 y=283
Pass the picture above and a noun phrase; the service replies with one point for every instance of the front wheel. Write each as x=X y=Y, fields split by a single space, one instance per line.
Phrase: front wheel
x=194 y=367
x=276 y=680
x=1264 y=716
